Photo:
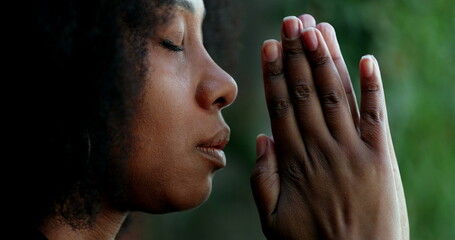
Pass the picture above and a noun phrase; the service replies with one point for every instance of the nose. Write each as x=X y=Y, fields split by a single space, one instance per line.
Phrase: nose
x=216 y=89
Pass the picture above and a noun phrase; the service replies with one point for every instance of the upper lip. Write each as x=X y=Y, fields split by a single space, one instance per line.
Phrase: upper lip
x=218 y=141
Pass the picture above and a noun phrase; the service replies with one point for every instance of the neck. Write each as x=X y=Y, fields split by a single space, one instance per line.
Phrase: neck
x=106 y=226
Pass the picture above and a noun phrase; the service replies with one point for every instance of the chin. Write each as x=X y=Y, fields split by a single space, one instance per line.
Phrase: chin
x=174 y=199
x=191 y=202
x=191 y=197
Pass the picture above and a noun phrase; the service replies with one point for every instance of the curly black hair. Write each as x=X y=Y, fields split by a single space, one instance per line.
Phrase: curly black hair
x=85 y=70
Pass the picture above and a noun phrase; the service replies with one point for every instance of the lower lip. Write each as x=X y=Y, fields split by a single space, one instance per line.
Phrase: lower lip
x=216 y=156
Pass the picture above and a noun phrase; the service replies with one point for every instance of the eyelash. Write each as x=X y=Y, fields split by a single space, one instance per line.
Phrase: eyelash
x=171 y=46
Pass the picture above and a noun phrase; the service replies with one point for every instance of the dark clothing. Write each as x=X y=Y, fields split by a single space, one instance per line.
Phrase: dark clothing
x=39 y=236
x=32 y=235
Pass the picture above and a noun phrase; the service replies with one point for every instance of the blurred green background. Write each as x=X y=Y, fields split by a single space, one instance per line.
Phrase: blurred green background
x=414 y=41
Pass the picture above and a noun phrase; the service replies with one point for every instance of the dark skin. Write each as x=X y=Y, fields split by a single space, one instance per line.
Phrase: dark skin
x=327 y=174
x=330 y=170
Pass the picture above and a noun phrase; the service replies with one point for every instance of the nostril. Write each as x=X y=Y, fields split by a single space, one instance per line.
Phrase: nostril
x=221 y=102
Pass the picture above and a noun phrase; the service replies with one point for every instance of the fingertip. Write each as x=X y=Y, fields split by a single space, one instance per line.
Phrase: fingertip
x=373 y=116
x=367 y=66
x=270 y=50
x=264 y=178
x=310 y=39
x=313 y=39
x=291 y=28
x=262 y=135
x=307 y=20
x=327 y=30
x=268 y=41
x=376 y=65
x=325 y=27
x=375 y=59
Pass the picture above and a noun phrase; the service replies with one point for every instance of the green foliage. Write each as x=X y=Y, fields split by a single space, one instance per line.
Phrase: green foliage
x=414 y=41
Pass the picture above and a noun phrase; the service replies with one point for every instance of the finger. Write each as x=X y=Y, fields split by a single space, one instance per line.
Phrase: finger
x=372 y=109
x=328 y=84
x=265 y=181
x=328 y=32
x=404 y=222
x=284 y=126
x=307 y=21
x=307 y=109
x=373 y=120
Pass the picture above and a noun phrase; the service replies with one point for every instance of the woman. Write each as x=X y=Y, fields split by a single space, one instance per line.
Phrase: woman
x=131 y=120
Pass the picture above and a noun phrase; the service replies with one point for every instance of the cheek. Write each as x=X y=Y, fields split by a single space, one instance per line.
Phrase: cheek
x=164 y=172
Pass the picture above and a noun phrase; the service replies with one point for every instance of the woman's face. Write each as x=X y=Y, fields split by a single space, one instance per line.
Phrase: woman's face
x=177 y=129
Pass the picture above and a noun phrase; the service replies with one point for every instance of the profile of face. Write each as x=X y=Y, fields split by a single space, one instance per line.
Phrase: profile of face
x=177 y=129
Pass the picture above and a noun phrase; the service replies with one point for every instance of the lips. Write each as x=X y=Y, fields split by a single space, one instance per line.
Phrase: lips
x=212 y=148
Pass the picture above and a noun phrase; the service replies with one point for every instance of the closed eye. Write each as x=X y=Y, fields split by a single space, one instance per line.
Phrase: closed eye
x=168 y=44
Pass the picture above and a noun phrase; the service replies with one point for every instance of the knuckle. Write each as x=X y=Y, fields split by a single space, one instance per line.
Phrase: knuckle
x=331 y=99
x=258 y=173
x=295 y=172
x=318 y=154
x=371 y=88
x=263 y=177
x=301 y=92
x=294 y=52
x=274 y=71
x=279 y=107
x=373 y=115
x=320 y=61
x=274 y=75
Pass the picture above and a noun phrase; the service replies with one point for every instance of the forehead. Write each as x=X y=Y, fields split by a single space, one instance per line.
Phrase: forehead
x=192 y=6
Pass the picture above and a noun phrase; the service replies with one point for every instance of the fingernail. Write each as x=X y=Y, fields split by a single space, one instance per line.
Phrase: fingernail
x=310 y=40
x=291 y=27
x=270 y=51
x=307 y=20
x=367 y=66
x=261 y=145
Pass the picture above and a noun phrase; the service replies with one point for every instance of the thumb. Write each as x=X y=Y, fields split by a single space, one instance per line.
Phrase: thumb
x=265 y=181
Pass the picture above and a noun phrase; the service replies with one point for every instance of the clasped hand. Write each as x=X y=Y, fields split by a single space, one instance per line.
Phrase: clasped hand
x=330 y=170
